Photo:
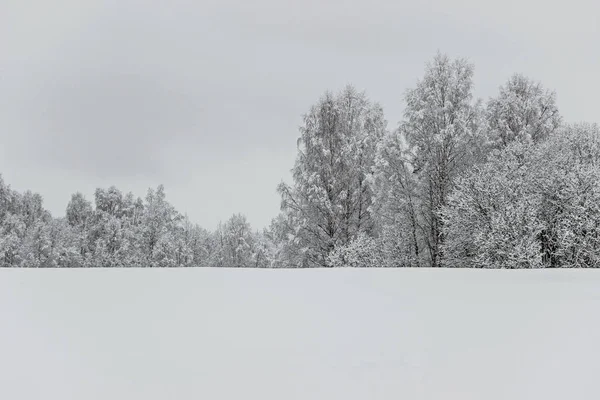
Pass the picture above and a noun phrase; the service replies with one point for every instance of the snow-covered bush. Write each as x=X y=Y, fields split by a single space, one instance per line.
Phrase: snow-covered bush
x=362 y=251
x=568 y=178
x=491 y=220
x=530 y=206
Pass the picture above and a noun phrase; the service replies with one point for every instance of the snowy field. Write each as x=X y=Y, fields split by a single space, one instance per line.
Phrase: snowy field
x=344 y=334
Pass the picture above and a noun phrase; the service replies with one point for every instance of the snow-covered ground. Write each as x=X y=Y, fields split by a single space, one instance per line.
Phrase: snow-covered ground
x=299 y=334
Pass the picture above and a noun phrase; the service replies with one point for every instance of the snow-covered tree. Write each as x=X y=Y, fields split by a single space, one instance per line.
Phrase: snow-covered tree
x=79 y=210
x=31 y=209
x=112 y=202
x=9 y=200
x=108 y=241
x=79 y=216
x=65 y=244
x=442 y=127
x=523 y=110
x=234 y=243
x=183 y=242
x=38 y=246
x=12 y=231
x=156 y=228
x=328 y=204
x=530 y=205
x=286 y=251
x=201 y=246
x=491 y=220
x=397 y=205
x=264 y=251
x=568 y=178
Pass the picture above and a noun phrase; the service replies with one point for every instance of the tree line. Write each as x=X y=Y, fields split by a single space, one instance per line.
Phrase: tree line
x=119 y=230
x=458 y=183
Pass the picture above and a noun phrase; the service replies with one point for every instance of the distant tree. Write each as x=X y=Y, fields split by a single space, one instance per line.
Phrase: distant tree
x=201 y=246
x=112 y=202
x=184 y=242
x=31 y=209
x=264 y=250
x=523 y=110
x=286 y=250
x=38 y=246
x=12 y=231
x=65 y=244
x=79 y=210
x=234 y=242
x=10 y=201
x=79 y=217
x=157 y=225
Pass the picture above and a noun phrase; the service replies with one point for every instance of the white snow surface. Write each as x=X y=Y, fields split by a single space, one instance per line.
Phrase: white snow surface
x=299 y=334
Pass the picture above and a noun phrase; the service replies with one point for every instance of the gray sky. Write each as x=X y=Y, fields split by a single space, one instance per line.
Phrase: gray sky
x=206 y=96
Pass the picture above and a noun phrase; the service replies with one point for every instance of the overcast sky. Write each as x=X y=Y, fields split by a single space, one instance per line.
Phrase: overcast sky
x=206 y=96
